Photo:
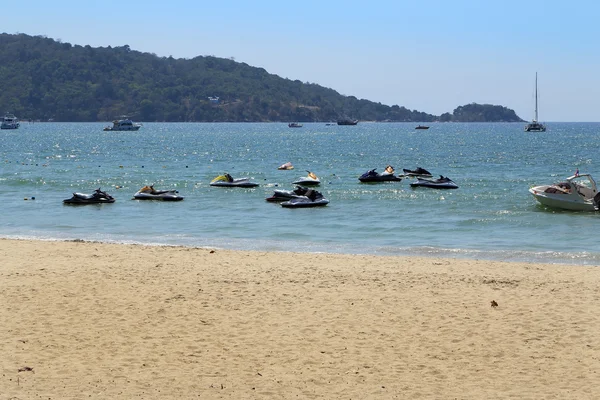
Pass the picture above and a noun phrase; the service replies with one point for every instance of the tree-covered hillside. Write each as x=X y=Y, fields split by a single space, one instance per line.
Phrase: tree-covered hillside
x=44 y=79
x=481 y=113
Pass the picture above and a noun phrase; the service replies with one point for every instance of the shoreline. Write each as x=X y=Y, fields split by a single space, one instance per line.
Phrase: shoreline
x=106 y=320
x=462 y=254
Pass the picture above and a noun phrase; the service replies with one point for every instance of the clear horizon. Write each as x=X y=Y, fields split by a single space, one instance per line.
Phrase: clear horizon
x=432 y=56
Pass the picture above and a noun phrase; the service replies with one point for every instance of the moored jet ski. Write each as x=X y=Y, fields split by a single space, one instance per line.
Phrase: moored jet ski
x=417 y=172
x=227 y=181
x=441 y=183
x=149 y=193
x=310 y=180
x=373 y=176
x=283 y=195
x=311 y=198
x=287 y=166
x=98 y=197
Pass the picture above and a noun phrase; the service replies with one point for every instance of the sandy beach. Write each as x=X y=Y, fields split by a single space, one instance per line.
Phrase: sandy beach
x=92 y=320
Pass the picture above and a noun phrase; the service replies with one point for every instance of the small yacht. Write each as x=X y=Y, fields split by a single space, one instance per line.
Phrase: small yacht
x=347 y=121
x=124 y=124
x=535 y=126
x=577 y=193
x=10 y=122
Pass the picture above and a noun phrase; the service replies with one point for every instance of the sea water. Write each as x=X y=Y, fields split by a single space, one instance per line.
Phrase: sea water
x=491 y=216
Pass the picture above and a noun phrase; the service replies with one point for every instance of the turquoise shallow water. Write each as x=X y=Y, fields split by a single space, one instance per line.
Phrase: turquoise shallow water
x=491 y=215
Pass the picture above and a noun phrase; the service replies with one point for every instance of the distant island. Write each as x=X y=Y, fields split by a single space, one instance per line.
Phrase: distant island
x=45 y=79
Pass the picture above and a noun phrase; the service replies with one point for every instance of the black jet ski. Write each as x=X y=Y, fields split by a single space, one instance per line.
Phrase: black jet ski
x=441 y=183
x=98 y=197
x=149 y=193
x=311 y=198
x=373 y=176
x=284 y=195
x=417 y=172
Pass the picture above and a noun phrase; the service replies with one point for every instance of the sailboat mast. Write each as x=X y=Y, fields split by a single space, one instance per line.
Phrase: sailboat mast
x=536 y=101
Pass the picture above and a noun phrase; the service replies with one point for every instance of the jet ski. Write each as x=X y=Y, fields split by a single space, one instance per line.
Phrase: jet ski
x=286 y=166
x=284 y=195
x=149 y=193
x=373 y=176
x=417 y=172
x=98 y=197
x=441 y=183
x=310 y=180
x=311 y=198
x=227 y=181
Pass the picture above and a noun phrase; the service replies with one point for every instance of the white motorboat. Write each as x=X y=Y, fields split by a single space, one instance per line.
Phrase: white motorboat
x=227 y=181
x=149 y=193
x=577 y=193
x=10 y=122
x=310 y=180
x=124 y=124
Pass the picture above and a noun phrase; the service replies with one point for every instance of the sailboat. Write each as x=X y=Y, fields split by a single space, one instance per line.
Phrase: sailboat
x=535 y=126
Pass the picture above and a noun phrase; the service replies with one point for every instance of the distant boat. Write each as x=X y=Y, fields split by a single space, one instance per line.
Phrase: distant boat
x=124 y=124
x=287 y=166
x=295 y=125
x=422 y=127
x=347 y=121
x=10 y=122
x=535 y=126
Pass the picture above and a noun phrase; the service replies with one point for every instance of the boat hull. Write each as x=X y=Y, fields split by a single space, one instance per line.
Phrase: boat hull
x=167 y=196
x=129 y=128
x=307 y=182
x=347 y=122
x=535 y=127
x=561 y=201
x=434 y=185
x=304 y=203
x=380 y=178
x=242 y=184
x=419 y=172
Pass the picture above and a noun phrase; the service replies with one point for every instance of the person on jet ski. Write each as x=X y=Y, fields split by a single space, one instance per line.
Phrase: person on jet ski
x=311 y=194
x=300 y=191
x=229 y=178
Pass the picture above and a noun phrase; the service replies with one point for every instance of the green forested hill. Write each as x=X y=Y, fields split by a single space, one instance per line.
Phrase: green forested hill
x=41 y=78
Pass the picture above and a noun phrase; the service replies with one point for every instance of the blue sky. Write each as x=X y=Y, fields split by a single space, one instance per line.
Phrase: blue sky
x=428 y=55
